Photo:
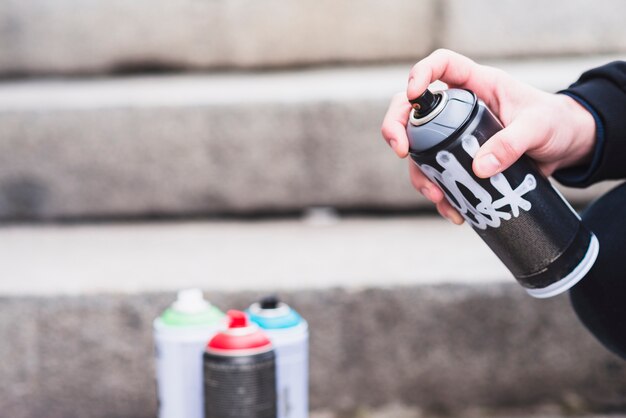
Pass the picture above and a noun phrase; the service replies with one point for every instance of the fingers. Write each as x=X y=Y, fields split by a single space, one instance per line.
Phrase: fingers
x=443 y=65
x=423 y=185
x=394 y=124
x=507 y=146
x=433 y=193
x=457 y=71
x=446 y=210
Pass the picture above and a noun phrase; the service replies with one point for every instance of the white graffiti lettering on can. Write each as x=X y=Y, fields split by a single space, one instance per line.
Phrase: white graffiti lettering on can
x=486 y=212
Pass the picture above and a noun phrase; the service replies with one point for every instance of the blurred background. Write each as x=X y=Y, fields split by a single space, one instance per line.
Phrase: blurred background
x=234 y=145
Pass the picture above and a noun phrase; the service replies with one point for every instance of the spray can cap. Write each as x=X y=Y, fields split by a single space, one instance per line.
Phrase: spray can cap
x=190 y=309
x=241 y=338
x=450 y=115
x=425 y=103
x=270 y=313
x=190 y=301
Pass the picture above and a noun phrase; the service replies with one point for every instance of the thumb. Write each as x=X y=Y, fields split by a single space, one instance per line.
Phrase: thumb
x=505 y=147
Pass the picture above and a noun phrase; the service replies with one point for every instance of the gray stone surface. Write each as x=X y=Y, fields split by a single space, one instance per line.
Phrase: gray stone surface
x=176 y=146
x=186 y=160
x=496 y=28
x=73 y=36
x=69 y=36
x=401 y=411
x=434 y=349
x=284 y=254
x=396 y=410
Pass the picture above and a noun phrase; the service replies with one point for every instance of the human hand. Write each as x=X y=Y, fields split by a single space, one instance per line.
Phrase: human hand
x=553 y=129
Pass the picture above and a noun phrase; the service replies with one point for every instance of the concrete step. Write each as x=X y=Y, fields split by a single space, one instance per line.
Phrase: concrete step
x=396 y=410
x=493 y=28
x=314 y=253
x=214 y=144
x=71 y=36
x=437 y=350
x=402 y=320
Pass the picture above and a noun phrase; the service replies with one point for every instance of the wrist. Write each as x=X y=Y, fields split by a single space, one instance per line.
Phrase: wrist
x=582 y=132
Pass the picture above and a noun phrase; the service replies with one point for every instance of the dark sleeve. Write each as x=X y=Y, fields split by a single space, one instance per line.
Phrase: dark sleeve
x=602 y=91
x=599 y=299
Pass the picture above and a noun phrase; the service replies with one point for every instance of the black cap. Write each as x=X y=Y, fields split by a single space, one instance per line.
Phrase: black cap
x=269 y=302
x=425 y=103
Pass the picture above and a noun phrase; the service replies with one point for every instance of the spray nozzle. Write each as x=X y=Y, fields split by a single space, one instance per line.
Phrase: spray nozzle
x=425 y=103
x=190 y=301
x=269 y=302
x=237 y=319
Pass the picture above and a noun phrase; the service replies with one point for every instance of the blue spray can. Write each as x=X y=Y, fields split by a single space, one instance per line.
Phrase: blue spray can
x=289 y=334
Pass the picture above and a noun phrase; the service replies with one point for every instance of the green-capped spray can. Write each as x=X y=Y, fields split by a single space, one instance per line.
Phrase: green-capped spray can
x=181 y=334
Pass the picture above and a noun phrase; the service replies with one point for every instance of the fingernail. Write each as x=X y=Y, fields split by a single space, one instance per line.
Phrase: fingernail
x=393 y=143
x=455 y=218
x=412 y=84
x=426 y=192
x=488 y=165
x=446 y=215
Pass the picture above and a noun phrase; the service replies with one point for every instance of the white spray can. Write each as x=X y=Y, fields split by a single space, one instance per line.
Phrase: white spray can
x=181 y=334
x=289 y=334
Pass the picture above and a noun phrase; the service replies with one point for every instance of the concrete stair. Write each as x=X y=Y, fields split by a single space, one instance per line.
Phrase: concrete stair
x=405 y=317
x=436 y=349
x=184 y=145
x=203 y=129
x=73 y=36
x=317 y=252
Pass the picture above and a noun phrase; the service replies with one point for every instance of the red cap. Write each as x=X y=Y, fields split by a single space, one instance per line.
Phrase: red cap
x=237 y=319
x=241 y=335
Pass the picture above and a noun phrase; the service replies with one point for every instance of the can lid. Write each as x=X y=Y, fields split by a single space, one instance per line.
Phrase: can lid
x=448 y=118
x=191 y=309
x=242 y=336
x=270 y=313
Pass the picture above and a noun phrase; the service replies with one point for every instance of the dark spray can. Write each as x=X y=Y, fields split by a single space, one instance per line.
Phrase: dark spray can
x=518 y=213
x=289 y=334
x=240 y=372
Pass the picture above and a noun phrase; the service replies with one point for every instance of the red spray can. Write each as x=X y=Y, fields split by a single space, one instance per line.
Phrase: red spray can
x=240 y=372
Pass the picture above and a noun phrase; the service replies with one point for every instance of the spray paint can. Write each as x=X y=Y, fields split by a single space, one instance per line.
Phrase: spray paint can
x=240 y=372
x=181 y=334
x=518 y=213
x=289 y=334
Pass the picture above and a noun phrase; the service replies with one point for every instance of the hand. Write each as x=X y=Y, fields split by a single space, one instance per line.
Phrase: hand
x=553 y=129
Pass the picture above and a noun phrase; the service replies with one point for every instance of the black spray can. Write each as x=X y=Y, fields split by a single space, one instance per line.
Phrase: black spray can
x=240 y=372
x=518 y=213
